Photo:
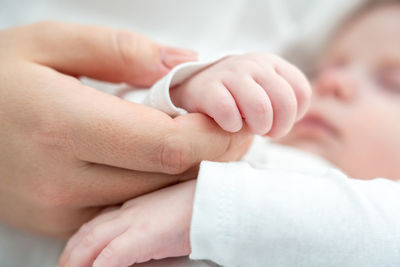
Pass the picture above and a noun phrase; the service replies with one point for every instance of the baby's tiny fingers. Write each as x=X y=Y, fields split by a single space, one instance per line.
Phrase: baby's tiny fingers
x=85 y=252
x=107 y=214
x=299 y=83
x=253 y=102
x=125 y=250
x=219 y=104
x=283 y=101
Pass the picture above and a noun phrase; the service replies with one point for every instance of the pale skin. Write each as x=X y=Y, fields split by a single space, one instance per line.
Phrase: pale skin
x=240 y=91
x=68 y=150
x=357 y=82
x=262 y=91
x=357 y=99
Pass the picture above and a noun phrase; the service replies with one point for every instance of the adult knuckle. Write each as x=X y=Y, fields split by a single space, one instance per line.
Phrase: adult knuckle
x=126 y=43
x=175 y=154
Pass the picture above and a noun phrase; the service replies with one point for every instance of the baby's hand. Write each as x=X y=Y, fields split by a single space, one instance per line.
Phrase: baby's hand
x=153 y=226
x=266 y=92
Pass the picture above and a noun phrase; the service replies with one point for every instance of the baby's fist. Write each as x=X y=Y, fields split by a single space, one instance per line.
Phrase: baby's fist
x=261 y=90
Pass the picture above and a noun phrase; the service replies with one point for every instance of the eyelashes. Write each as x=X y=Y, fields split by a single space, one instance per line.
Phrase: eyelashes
x=389 y=79
x=386 y=77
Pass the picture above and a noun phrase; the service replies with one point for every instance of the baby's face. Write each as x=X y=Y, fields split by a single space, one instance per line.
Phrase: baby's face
x=354 y=119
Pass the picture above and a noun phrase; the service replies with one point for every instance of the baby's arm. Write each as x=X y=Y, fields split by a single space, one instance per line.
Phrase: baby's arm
x=260 y=90
x=153 y=226
x=248 y=217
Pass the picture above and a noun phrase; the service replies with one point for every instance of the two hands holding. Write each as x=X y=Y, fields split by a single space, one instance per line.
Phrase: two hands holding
x=69 y=151
x=262 y=92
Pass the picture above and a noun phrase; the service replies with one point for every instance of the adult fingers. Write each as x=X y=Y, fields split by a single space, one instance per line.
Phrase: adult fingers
x=103 y=129
x=99 y=52
x=73 y=131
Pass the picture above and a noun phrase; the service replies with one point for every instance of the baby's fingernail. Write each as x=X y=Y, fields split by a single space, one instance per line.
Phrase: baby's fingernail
x=171 y=56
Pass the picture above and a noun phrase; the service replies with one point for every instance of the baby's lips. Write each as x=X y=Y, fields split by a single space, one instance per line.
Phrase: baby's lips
x=171 y=56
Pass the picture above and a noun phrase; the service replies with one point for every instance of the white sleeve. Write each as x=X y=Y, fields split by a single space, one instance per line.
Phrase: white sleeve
x=268 y=217
x=158 y=96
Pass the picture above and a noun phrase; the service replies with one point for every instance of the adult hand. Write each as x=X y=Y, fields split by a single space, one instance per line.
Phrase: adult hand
x=68 y=150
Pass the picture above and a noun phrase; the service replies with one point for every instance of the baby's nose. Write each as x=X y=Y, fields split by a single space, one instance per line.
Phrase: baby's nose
x=336 y=82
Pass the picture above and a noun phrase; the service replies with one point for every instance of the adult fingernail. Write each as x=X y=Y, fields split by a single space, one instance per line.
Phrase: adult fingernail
x=171 y=56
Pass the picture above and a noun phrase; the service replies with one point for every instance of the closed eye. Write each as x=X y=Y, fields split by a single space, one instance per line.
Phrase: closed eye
x=389 y=79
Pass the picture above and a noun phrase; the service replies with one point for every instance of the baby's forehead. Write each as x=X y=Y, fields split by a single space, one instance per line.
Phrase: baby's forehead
x=375 y=30
x=381 y=17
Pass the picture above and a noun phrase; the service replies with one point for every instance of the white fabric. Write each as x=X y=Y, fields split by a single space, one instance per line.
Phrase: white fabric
x=294 y=28
x=210 y=27
x=159 y=94
x=274 y=217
